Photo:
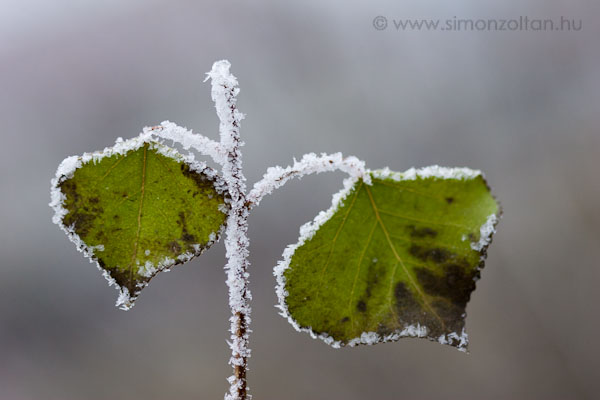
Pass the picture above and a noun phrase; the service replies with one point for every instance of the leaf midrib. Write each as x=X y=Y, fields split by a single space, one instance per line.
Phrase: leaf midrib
x=399 y=259
x=379 y=222
x=139 y=218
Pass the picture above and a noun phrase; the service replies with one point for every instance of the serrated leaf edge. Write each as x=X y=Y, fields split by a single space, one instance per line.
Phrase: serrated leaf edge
x=69 y=165
x=308 y=230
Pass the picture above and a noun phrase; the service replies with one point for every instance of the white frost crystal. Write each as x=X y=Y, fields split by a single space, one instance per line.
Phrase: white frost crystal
x=224 y=92
x=188 y=139
x=433 y=171
x=485 y=233
x=309 y=164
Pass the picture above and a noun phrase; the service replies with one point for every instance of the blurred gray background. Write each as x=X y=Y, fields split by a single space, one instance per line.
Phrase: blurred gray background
x=315 y=76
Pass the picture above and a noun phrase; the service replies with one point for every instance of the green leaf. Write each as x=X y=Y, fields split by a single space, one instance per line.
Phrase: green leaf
x=394 y=258
x=138 y=208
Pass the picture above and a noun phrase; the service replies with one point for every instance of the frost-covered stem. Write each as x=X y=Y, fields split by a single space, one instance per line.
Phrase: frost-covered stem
x=224 y=92
x=275 y=177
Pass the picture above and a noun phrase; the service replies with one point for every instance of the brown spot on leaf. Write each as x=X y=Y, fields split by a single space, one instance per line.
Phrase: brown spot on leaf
x=451 y=314
x=385 y=330
x=373 y=274
x=69 y=188
x=410 y=311
x=421 y=232
x=455 y=284
x=174 y=247
x=82 y=222
x=78 y=217
x=122 y=277
x=188 y=238
x=438 y=255
x=361 y=306
x=200 y=180
x=405 y=301
x=449 y=200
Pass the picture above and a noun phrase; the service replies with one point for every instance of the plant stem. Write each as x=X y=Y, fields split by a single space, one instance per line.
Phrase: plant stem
x=228 y=154
x=224 y=92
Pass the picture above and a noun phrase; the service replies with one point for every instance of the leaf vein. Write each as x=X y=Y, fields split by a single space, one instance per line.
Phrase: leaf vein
x=335 y=239
x=393 y=248
x=139 y=218
x=448 y=224
x=360 y=260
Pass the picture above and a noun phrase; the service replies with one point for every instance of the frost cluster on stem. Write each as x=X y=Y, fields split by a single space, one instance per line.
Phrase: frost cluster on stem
x=224 y=92
x=275 y=177
x=188 y=140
